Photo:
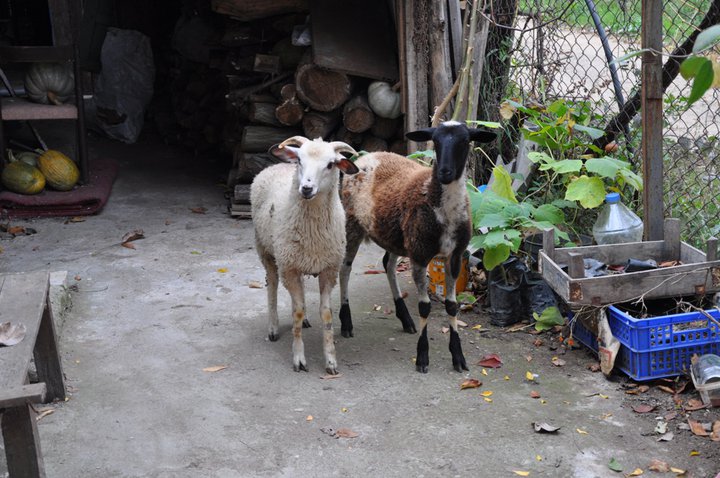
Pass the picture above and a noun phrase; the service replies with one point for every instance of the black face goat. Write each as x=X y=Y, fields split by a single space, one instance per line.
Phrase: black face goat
x=417 y=212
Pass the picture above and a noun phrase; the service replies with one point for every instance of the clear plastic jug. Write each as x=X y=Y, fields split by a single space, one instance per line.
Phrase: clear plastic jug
x=617 y=223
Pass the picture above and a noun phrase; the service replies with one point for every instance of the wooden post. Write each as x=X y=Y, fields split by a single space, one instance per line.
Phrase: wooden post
x=549 y=243
x=652 y=119
x=576 y=265
x=414 y=43
x=47 y=356
x=440 y=73
x=711 y=253
x=22 y=443
x=671 y=232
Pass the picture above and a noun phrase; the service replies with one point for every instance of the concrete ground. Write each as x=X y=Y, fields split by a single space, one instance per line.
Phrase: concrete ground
x=145 y=322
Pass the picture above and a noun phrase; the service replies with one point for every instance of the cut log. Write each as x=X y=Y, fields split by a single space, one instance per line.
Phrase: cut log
x=248 y=165
x=258 y=139
x=246 y=10
x=290 y=112
x=288 y=92
x=353 y=139
x=318 y=124
x=385 y=128
x=262 y=113
x=371 y=144
x=357 y=115
x=321 y=89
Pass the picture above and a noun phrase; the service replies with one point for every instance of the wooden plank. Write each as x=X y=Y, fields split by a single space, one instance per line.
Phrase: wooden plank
x=337 y=28
x=671 y=232
x=691 y=255
x=548 y=242
x=246 y=10
x=47 y=356
x=22 y=299
x=455 y=24
x=415 y=43
x=615 y=254
x=554 y=275
x=652 y=119
x=21 y=395
x=441 y=71
x=712 y=249
x=22 y=443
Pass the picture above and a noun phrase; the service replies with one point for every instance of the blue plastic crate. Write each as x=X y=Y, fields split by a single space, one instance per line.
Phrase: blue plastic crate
x=660 y=346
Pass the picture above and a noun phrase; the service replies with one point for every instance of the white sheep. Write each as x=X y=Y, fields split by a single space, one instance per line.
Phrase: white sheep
x=300 y=229
x=418 y=212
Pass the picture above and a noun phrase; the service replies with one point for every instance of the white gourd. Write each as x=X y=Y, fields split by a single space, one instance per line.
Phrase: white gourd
x=383 y=100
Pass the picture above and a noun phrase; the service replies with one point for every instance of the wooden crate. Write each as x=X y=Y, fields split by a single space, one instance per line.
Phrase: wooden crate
x=698 y=274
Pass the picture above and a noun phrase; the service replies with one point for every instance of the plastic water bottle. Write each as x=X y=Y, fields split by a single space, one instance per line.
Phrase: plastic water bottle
x=617 y=223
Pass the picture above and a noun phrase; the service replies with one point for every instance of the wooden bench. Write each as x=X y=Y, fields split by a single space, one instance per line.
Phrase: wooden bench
x=24 y=299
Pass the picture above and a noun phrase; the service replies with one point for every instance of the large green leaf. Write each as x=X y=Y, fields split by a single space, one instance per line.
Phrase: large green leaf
x=594 y=133
x=502 y=186
x=492 y=220
x=605 y=167
x=565 y=166
x=588 y=191
x=496 y=238
x=549 y=318
x=631 y=179
x=703 y=81
x=540 y=157
x=476 y=243
x=549 y=213
x=690 y=66
x=494 y=256
x=487 y=124
x=707 y=38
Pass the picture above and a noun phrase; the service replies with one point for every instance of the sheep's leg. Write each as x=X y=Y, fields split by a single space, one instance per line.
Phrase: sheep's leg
x=271 y=277
x=419 y=273
x=401 y=311
x=327 y=279
x=354 y=238
x=293 y=283
x=452 y=265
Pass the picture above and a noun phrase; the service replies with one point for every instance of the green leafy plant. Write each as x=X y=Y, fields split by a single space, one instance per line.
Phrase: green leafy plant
x=549 y=318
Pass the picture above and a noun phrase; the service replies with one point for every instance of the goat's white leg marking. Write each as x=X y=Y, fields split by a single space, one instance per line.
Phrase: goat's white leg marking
x=294 y=285
x=451 y=307
x=327 y=279
x=271 y=276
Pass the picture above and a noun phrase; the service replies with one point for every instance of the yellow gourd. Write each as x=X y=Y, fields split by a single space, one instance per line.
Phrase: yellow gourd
x=60 y=172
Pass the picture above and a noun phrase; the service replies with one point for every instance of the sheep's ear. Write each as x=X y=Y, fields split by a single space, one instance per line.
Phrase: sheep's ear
x=421 y=134
x=481 y=136
x=347 y=166
x=288 y=154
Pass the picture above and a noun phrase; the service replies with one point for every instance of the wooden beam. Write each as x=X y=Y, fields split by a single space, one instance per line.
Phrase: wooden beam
x=441 y=71
x=19 y=396
x=652 y=119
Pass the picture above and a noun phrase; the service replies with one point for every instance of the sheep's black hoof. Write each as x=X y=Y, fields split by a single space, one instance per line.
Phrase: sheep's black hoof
x=273 y=337
x=331 y=371
x=410 y=327
x=402 y=313
x=306 y=324
x=458 y=359
x=423 y=358
x=346 y=326
x=300 y=367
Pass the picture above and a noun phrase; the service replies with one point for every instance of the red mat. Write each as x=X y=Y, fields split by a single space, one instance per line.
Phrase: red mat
x=82 y=200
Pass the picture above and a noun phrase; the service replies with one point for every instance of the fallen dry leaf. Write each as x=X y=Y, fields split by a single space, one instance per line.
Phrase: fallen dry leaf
x=670 y=416
x=12 y=333
x=594 y=367
x=543 y=427
x=470 y=383
x=43 y=413
x=253 y=284
x=636 y=472
x=521 y=473
x=659 y=466
x=534 y=394
x=215 y=368
x=477 y=327
x=581 y=431
x=346 y=433
x=558 y=362
x=222 y=270
x=330 y=377
x=679 y=471
x=643 y=408
x=668 y=263
x=666 y=389
x=16 y=230
x=199 y=210
x=697 y=428
x=530 y=377
x=374 y=271
x=643 y=388
x=129 y=245
x=694 y=404
x=309 y=418
x=487 y=393
x=133 y=236
x=444 y=330
x=538 y=342
x=694 y=453
x=666 y=436
x=75 y=219
x=715 y=435
x=490 y=361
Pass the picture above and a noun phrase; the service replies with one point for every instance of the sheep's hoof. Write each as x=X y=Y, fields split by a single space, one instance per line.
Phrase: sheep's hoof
x=331 y=370
x=459 y=366
x=421 y=368
x=347 y=333
x=410 y=328
x=306 y=324
x=300 y=367
x=273 y=337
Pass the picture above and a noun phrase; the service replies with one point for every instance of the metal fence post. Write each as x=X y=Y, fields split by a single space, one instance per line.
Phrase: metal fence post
x=652 y=119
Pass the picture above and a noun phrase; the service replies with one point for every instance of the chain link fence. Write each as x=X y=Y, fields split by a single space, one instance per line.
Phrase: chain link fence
x=555 y=51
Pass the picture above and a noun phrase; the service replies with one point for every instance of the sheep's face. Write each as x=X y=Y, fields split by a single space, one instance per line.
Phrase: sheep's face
x=318 y=165
x=452 y=144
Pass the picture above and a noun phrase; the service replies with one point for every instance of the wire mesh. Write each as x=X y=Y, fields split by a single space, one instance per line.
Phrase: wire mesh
x=555 y=51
